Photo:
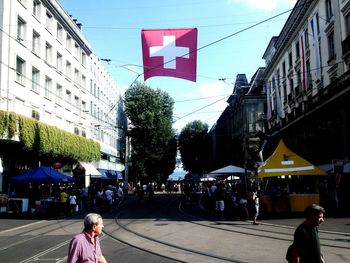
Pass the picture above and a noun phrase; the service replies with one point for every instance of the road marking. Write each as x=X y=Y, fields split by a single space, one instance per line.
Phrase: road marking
x=37 y=256
x=20 y=227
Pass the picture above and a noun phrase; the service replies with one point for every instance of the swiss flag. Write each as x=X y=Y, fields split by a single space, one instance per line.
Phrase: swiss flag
x=170 y=52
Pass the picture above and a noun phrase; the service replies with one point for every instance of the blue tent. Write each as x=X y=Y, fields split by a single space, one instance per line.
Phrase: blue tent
x=42 y=174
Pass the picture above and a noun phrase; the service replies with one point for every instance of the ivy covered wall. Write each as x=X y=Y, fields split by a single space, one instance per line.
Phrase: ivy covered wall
x=47 y=140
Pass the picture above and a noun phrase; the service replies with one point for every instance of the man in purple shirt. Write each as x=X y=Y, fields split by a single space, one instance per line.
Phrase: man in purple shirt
x=85 y=247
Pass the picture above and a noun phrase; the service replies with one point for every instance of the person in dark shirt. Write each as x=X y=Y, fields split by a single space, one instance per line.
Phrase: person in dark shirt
x=306 y=240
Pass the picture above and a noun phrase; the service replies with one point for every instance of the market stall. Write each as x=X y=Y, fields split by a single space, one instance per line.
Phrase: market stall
x=34 y=190
x=290 y=182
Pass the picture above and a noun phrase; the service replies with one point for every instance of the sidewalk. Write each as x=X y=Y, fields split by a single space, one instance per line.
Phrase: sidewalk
x=330 y=224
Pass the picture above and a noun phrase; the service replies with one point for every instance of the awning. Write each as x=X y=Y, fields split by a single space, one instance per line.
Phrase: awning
x=111 y=174
x=285 y=162
x=104 y=173
x=91 y=170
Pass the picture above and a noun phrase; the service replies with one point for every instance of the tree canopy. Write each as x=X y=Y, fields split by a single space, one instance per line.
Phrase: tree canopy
x=152 y=137
x=194 y=147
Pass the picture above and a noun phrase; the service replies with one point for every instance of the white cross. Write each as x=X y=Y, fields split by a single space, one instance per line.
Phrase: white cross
x=169 y=51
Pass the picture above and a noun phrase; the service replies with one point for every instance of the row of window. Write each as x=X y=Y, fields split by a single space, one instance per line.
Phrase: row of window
x=301 y=65
x=35 y=48
x=47 y=87
x=79 y=54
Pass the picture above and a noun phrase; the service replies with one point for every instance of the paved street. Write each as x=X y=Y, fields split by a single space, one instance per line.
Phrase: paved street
x=165 y=230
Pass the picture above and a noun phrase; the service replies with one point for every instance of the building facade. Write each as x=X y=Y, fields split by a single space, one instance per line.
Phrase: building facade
x=307 y=80
x=49 y=72
x=234 y=139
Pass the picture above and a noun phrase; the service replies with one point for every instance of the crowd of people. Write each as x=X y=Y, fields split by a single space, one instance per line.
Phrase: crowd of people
x=230 y=198
x=73 y=200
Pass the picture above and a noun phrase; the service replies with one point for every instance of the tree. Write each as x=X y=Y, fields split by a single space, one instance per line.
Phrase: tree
x=194 y=147
x=150 y=112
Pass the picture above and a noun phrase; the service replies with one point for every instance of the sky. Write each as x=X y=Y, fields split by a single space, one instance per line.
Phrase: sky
x=231 y=45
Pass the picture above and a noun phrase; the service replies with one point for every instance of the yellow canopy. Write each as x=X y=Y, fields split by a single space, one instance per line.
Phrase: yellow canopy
x=285 y=162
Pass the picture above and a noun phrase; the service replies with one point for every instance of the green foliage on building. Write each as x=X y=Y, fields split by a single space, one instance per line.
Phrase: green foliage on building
x=47 y=140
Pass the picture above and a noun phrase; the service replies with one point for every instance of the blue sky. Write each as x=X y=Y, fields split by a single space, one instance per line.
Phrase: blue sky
x=114 y=30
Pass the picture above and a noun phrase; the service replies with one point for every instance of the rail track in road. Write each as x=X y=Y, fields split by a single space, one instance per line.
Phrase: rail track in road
x=157 y=214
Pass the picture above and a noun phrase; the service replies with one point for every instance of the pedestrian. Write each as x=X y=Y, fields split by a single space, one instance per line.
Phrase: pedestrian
x=120 y=195
x=63 y=201
x=306 y=240
x=219 y=196
x=85 y=247
x=256 y=207
x=73 y=203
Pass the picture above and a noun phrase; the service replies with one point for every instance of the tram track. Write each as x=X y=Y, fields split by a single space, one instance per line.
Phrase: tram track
x=325 y=236
x=163 y=245
x=264 y=231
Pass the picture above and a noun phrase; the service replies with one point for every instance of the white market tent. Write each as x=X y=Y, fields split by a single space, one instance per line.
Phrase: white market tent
x=228 y=171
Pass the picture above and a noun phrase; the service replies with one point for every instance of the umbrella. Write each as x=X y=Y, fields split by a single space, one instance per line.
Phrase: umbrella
x=42 y=174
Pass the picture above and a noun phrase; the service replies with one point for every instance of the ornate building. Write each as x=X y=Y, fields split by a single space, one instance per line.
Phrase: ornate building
x=307 y=80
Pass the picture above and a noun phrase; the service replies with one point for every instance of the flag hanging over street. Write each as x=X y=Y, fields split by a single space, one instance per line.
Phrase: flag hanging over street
x=170 y=52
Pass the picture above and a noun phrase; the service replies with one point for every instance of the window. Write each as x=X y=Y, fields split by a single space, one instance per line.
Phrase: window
x=83 y=59
x=297 y=49
x=309 y=77
x=48 y=85
x=68 y=69
x=76 y=76
x=35 y=115
x=347 y=24
x=48 y=53
x=59 y=94
x=68 y=98
x=76 y=101
x=329 y=11
x=21 y=27
x=283 y=68
x=285 y=99
x=291 y=86
x=83 y=105
x=76 y=51
x=36 y=42
x=298 y=87
x=35 y=79
x=59 y=62
x=306 y=38
x=83 y=81
x=331 y=49
x=59 y=32
x=68 y=42
x=49 y=22
x=290 y=59
x=36 y=8
x=20 y=70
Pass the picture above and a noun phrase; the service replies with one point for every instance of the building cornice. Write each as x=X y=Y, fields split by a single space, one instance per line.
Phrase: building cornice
x=293 y=24
x=67 y=22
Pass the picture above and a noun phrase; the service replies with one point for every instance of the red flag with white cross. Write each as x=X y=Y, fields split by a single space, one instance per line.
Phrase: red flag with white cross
x=169 y=52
